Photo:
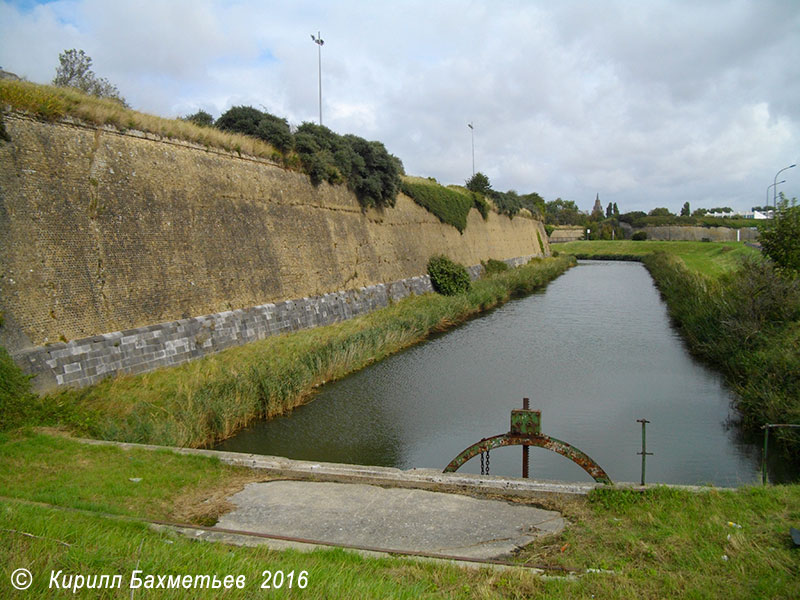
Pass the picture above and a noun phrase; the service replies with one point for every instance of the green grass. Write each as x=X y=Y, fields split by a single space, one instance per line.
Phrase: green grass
x=209 y=399
x=60 y=471
x=657 y=544
x=708 y=258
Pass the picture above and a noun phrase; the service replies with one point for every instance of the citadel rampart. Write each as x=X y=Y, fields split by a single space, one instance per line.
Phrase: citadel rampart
x=105 y=231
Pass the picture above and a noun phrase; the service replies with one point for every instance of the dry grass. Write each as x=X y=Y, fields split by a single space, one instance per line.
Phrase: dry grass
x=56 y=103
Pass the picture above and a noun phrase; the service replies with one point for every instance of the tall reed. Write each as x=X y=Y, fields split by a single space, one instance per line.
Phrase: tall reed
x=746 y=323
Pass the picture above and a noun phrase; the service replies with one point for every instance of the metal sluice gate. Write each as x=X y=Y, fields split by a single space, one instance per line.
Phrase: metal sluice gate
x=526 y=431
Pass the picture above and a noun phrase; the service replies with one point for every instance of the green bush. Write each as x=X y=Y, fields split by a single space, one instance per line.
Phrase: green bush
x=639 y=236
x=370 y=171
x=447 y=277
x=276 y=132
x=780 y=237
x=200 y=118
x=492 y=266
x=375 y=176
x=449 y=206
x=240 y=119
x=481 y=205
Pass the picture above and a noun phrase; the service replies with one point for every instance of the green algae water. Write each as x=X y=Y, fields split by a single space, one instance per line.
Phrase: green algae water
x=594 y=352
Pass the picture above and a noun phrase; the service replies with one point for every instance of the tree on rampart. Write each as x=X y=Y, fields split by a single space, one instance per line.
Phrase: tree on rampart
x=74 y=70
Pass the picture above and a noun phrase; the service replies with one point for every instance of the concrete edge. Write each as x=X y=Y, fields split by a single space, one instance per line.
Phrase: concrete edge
x=244 y=538
x=426 y=479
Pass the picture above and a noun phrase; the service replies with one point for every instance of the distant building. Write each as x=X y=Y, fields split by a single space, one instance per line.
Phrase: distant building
x=757 y=214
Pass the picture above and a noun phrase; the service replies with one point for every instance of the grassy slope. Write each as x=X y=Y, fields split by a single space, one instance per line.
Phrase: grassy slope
x=663 y=543
x=708 y=258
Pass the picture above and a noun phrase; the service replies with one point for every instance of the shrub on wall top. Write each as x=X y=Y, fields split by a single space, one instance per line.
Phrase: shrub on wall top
x=447 y=277
x=449 y=206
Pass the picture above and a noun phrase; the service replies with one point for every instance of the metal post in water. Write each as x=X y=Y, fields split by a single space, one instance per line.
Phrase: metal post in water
x=526 y=404
x=644 y=451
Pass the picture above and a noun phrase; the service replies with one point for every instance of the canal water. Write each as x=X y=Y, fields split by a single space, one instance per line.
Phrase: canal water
x=594 y=352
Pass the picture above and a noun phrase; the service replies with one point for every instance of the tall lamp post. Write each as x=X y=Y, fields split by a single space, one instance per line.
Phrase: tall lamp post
x=472 y=135
x=319 y=41
x=772 y=185
x=775 y=191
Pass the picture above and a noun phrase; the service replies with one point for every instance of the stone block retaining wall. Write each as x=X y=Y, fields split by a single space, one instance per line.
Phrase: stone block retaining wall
x=83 y=362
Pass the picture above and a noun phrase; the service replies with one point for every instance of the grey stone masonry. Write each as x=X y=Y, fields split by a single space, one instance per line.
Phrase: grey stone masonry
x=83 y=362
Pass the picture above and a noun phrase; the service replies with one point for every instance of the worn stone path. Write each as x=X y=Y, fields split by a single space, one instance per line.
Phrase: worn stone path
x=389 y=518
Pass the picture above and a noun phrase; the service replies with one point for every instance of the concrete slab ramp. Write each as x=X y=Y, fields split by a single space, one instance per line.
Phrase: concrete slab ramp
x=407 y=520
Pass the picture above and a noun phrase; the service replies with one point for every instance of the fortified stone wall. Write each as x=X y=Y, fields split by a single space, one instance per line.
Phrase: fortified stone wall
x=104 y=231
x=699 y=234
x=562 y=235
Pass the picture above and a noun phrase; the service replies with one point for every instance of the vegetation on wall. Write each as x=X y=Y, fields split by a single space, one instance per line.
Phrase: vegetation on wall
x=370 y=172
x=251 y=121
x=507 y=203
x=450 y=206
x=368 y=169
x=51 y=103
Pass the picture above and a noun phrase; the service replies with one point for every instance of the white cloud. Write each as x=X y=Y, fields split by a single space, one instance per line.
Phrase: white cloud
x=648 y=104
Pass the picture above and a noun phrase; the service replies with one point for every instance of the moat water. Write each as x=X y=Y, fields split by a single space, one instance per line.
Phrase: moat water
x=594 y=352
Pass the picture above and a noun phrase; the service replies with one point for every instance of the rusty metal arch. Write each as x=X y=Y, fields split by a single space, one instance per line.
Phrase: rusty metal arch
x=526 y=430
x=580 y=458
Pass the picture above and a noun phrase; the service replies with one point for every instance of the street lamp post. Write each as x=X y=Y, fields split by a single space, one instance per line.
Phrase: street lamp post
x=319 y=41
x=472 y=135
x=772 y=185
x=775 y=191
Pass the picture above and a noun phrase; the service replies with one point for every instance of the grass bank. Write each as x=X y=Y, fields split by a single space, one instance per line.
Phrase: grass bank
x=618 y=544
x=746 y=323
x=736 y=313
x=709 y=258
x=209 y=399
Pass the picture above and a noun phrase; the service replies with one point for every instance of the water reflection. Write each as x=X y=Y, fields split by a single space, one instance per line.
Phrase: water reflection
x=594 y=352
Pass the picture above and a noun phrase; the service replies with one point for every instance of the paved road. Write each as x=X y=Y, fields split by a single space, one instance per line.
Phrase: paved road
x=389 y=518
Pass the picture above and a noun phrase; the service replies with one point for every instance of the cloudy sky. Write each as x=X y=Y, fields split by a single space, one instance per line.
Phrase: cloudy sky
x=648 y=103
